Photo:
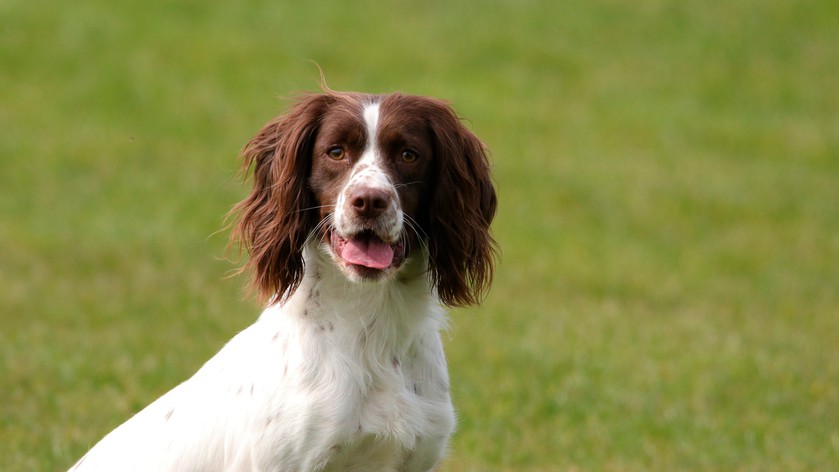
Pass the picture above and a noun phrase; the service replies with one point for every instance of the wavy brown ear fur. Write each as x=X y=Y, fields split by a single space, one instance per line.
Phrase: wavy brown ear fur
x=461 y=249
x=274 y=220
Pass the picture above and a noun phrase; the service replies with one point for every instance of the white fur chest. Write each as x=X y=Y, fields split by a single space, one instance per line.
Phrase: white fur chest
x=390 y=425
x=364 y=388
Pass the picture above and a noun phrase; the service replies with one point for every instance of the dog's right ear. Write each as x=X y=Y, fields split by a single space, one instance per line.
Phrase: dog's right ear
x=274 y=220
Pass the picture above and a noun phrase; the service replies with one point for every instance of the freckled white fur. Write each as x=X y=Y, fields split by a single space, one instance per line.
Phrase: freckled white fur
x=339 y=376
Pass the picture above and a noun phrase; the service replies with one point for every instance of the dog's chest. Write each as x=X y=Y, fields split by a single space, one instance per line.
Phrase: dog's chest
x=396 y=422
x=349 y=402
x=391 y=427
x=359 y=389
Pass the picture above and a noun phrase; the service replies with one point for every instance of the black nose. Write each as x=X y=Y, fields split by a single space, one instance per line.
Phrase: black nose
x=369 y=202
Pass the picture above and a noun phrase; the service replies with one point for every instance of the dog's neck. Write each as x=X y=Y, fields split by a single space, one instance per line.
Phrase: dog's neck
x=384 y=315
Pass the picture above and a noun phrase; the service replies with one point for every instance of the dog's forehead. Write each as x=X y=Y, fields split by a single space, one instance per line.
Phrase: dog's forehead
x=343 y=127
x=404 y=121
x=342 y=122
x=376 y=125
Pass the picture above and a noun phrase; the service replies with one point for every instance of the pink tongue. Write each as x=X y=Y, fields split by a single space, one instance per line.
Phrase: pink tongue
x=369 y=252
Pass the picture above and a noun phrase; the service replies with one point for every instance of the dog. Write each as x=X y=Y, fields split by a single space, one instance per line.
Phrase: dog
x=368 y=215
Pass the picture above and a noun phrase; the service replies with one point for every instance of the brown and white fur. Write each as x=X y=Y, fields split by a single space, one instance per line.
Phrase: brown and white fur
x=368 y=214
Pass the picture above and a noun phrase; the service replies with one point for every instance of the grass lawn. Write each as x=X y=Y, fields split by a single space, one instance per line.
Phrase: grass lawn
x=668 y=173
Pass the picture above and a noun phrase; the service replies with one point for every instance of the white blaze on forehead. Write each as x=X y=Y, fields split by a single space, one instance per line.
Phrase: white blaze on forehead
x=369 y=170
x=371 y=121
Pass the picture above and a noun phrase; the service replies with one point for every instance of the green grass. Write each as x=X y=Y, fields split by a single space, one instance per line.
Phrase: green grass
x=668 y=296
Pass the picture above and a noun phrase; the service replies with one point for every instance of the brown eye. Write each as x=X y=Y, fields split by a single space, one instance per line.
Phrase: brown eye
x=336 y=153
x=409 y=156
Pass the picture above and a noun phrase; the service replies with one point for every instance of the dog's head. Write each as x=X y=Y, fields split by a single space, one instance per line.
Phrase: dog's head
x=374 y=180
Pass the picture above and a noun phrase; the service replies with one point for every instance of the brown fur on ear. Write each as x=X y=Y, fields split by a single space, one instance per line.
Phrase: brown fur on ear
x=461 y=249
x=274 y=220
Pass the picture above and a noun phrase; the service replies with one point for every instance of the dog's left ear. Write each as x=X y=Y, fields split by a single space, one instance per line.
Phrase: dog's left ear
x=273 y=221
x=461 y=249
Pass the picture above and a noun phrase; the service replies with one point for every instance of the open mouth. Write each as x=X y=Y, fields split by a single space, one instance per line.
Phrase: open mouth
x=367 y=250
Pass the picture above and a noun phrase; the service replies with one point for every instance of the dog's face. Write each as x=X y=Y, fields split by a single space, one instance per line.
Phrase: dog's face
x=370 y=178
x=376 y=180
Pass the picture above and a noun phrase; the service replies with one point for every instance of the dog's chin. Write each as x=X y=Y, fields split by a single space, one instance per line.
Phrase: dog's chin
x=365 y=256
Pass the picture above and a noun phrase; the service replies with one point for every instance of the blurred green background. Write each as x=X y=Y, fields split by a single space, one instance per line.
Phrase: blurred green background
x=668 y=173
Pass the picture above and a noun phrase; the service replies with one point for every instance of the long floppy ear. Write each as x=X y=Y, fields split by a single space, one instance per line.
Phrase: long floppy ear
x=461 y=249
x=274 y=220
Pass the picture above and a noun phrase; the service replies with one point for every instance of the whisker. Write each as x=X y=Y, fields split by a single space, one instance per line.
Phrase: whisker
x=314 y=208
x=412 y=223
x=317 y=230
x=327 y=220
x=421 y=236
x=406 y=184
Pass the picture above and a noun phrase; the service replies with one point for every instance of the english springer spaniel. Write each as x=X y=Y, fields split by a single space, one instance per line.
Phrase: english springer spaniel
x=368 y=214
